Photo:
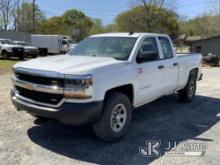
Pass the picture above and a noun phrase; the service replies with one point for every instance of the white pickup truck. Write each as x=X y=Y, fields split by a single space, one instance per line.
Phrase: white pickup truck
x=9 y=49
x=103 y=79
x=29 y=50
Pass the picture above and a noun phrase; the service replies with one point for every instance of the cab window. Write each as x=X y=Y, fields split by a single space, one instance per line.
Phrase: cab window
x=148 y=51
x=64 y=42
x=166 y=47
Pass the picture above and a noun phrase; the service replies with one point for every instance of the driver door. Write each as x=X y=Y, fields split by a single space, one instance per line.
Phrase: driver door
x=150 y=73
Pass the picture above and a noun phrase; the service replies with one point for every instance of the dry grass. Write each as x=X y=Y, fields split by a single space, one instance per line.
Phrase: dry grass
x=6 y=65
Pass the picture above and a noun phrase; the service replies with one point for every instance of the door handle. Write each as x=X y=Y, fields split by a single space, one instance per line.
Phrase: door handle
x=161 y=67
x=175 y=64
x=140 y=71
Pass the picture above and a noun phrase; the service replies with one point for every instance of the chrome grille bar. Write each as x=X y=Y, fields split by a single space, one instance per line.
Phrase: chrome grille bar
x=37 y=87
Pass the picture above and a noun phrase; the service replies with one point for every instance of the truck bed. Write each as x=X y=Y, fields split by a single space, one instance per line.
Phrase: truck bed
x=186 y=54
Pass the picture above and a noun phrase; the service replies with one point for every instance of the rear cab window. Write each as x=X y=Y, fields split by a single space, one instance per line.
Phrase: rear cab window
x=166 y=47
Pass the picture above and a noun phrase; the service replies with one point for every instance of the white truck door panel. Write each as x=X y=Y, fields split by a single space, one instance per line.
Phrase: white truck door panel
x=150 y=73
x=150 y=81
x=171 y=69
x=172 y=72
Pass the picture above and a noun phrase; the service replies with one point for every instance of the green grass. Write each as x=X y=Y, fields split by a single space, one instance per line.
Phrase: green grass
x=7 y=64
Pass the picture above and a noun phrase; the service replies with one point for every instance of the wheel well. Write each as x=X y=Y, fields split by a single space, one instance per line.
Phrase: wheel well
x=194 y=72
x=4 y=51
x=125 y=89
x=43 y=51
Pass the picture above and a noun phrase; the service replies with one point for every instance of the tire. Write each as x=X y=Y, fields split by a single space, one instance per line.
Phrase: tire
x=34 y=56
x=38 y=117
x=116 y=110
x=43 y=52
x=5 y=55
x=187 y=94
x=21 y=57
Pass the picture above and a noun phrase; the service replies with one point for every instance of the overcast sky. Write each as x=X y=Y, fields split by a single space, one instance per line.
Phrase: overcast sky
x=108 y=10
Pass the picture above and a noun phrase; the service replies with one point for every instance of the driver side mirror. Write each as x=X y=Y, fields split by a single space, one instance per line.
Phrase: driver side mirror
x=147 y=56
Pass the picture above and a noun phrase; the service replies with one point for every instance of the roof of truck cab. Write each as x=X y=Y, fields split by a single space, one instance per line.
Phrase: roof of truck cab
x=20 y=41
x=135 y=35
x=3 y=39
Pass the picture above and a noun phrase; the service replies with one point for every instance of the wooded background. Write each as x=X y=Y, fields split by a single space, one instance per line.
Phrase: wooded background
x=144 y=16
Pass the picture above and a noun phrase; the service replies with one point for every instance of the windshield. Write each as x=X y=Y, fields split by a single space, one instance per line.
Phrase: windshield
x=23 y=44
x=116 y=47
x=64 y=42
x=70 y=41
x=9 y=42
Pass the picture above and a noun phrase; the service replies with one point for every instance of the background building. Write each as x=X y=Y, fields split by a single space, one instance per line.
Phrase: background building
x=207 y=46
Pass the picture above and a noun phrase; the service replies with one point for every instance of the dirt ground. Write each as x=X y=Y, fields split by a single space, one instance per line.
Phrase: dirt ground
x=25 y=140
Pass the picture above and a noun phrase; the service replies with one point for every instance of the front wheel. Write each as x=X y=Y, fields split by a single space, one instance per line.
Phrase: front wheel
x=38 y=117
x=21 y=57
x=5 y=55
x=116 y=117
x=187 y=94
x=34 y=56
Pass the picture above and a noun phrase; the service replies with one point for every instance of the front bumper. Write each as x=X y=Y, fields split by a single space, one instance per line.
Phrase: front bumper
x=31 y=53
x=16 y=54
x=68 y=113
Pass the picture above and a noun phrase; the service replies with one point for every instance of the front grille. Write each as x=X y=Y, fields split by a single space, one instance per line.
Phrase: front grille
x=18 y=51
x=32 y=50
x=40 y=79
x=40 y=96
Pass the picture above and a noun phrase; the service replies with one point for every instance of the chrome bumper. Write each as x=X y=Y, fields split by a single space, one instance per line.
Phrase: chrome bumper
x=15 y=99
x=27 y=100
x=68 y=113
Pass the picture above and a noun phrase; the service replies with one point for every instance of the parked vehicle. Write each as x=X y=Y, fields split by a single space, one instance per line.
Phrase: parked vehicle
x=71 y=44
x=9 y=49
x=211 y=60
x=103 y=79
x=51 y=44
x=29 y=50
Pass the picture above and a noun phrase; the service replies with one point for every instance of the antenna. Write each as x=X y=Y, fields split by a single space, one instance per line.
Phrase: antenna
x=33 y=15
x=131 y=33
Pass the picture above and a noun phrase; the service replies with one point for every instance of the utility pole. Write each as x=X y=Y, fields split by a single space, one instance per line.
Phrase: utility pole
x=218 y=12
x=219 y=8
x=33 y=15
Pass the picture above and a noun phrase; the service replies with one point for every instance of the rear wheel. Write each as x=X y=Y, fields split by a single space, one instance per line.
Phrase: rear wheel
x=116 y=117
x=187 y=94
x=5 y=55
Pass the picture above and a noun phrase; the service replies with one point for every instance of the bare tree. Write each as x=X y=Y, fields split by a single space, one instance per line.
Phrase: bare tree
x=15 y=13
x=5 y=8
x=151 y=10
x=169 y=4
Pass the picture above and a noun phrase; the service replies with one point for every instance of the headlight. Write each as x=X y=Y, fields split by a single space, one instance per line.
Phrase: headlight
x=9 y=49
x=78 y=87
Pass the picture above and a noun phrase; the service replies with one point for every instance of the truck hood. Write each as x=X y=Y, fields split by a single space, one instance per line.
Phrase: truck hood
x=12 y=46
x=67 y=64
x=30 y=47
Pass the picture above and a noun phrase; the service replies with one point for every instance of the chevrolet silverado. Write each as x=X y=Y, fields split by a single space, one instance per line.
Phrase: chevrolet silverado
x=103 y=79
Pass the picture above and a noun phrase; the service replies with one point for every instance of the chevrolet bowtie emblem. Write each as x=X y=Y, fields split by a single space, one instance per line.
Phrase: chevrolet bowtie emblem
x=30 y=86
x=54 y=82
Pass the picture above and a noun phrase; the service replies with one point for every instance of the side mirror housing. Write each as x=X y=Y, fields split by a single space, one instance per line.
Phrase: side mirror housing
x=147 y=56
